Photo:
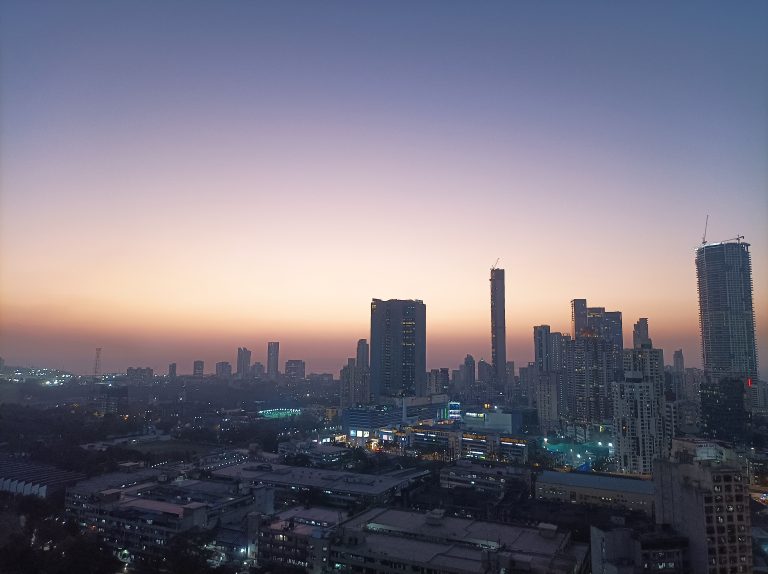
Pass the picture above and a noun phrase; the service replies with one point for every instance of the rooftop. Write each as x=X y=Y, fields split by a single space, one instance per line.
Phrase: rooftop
x=443 y=541
x=601 y=481
x=338 y=481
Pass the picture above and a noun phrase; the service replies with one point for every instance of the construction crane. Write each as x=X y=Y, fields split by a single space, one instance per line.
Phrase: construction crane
x=495 y=264
x=704 y=237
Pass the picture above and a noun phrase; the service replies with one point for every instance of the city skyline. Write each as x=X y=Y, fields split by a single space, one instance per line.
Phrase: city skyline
x=176 y=187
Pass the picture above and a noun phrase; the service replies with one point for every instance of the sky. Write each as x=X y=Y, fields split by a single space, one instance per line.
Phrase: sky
x=178 y=179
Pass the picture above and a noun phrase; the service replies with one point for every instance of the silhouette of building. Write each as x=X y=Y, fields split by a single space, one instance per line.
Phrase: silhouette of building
x=640 y=337
x=223 y=369
x=398 y=348
x=468 y=373
x=198 y=368
x=295 y=370
x=172 y=371
x=498 y=328
x=679 y=361
x=258 y=371
x=243 y=363
x=273 y=360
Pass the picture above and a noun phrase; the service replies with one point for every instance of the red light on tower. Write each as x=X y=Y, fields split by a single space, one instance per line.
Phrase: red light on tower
x=749 y=382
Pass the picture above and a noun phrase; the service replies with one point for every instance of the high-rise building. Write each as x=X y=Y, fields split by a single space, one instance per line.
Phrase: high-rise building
x=258 y=371
x=295 y=370
x=172 y=371
x=438 y=381
x=594 y=361
x=273 y=360
x=468 y=373
x=398 y=348
x=223 y=369
x=542 y=351
x=726 y=312
x=484 y=371
x=498 y=328
x=702 y=493
x=729 y=352
x=198 y=368
x=679 y=361
x=638 y=424
x=362 y=374
x=243 y=363
x=363 y=354
x=347 y=379
x=640 y=337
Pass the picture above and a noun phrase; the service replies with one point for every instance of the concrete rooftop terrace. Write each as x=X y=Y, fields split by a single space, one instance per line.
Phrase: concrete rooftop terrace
x=332 y=480
x=458 y=543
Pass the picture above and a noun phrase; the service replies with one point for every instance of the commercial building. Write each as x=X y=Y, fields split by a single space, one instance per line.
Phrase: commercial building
x=702 y=493
x=498 y=328
x=386 y=541
x=398 y=348
x=596 y=489
x=198 y=368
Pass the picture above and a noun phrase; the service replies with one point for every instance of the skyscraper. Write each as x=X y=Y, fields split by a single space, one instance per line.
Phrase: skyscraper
x=398 y=348
x=363 y=352
x=172 y=371
x=295 y=370
x=223 y=369
x=243 y=363
x=679 y=361
x=542 y=351
x=726 y=313
x=638 y=409
x=273 y=360
x=640 y=337
x=729 y=353
x=198 y=368
x=498 y=328
x=362 y=373
x=468 y=372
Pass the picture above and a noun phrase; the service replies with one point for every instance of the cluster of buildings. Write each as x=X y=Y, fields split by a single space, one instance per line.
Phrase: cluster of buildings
x=673 y=443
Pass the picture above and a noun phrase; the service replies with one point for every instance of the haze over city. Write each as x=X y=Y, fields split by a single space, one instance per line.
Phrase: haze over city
x=183 y=180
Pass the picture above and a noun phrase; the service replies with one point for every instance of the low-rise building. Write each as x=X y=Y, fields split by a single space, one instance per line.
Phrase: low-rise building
x=294 y=483
x=295 y=537
x=137 y=514
x=596 y=489
x=492 y=479
x=27 y=478
x=386 y=541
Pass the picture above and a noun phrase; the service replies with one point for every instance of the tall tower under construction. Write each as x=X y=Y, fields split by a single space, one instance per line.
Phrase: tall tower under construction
x=498 y=328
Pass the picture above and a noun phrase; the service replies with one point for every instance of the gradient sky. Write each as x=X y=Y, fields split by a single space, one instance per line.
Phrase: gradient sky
x=181 y=178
